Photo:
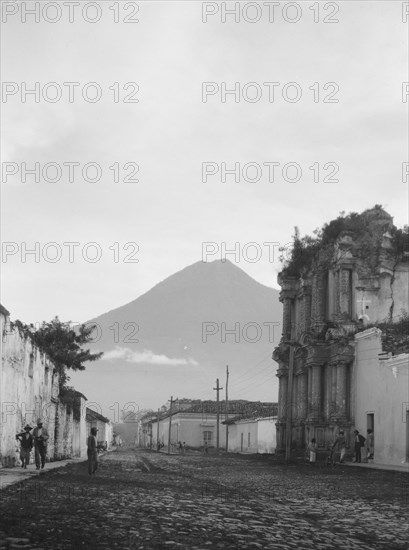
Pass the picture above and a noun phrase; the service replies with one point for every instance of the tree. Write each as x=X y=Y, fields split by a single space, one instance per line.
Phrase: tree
x=63 y=345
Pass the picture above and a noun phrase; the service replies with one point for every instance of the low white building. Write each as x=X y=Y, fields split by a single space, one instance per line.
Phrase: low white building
x=380 y=398
x=105 y=433
x=253 y=435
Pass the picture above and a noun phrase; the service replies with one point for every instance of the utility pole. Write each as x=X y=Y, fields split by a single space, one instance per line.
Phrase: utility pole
x=170 y=423
x=289 y=423
x=227 y=408
x=217 y=388
x=157 y=432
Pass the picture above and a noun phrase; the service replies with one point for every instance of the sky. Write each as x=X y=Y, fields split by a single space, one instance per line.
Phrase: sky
x=333 y=101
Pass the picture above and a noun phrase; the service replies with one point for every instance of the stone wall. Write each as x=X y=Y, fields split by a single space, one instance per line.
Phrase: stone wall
x=29 y=389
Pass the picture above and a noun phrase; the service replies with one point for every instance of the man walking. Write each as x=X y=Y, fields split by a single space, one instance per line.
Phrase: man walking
x=92 y=452
x=40 y=436
x=26 y=445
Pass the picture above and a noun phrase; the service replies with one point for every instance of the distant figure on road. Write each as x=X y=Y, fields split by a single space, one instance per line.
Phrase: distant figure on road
x=369 y=444
x=92 y=452
x=206 y=448
x=26 y=445
x=312 y=448
x=180 y=447
x=359 y=441
x=184 y=448
x=40 y=436
x=340 y=445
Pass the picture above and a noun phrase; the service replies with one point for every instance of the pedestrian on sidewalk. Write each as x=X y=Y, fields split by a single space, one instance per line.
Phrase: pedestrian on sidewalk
x=359 y=442
x=180 y=447
x=40 y=437
x=341 y=445
x=184 y=448
x=92 y=452
x=369 y=444
x=312 y=448
x=26 y=445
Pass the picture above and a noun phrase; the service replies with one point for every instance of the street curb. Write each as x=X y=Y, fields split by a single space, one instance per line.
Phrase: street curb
x=11 y=476
x=385 y=467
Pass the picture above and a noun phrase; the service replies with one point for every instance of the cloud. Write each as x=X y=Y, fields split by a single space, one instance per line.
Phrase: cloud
x=146 y=356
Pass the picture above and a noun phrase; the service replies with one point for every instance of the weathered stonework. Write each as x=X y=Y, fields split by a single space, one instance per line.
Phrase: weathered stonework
x=355 y=281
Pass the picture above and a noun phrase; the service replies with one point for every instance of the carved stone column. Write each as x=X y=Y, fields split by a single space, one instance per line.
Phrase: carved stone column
x=345 y=292
x=329 y=404
x=294 y=404
x=307 y=309
x=303 y=395
x=341 y=390
x=282 y=395
x=287 y=318
x=316 y=397
x=318 y=303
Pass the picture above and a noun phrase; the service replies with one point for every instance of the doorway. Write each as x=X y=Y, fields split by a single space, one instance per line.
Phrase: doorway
x=370 y=421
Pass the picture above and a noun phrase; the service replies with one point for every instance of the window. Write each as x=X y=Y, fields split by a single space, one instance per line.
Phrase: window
x=207 y=437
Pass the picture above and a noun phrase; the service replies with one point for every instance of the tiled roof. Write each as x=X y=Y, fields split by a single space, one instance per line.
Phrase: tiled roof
x=91 y=416
x=238 y=409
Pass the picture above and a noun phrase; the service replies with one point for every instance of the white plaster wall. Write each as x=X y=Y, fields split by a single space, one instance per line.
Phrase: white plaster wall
x=267 y=435
x=394 y=292
x=23 y=398
x=245 y=427
x=383 y=392
x=189 y=427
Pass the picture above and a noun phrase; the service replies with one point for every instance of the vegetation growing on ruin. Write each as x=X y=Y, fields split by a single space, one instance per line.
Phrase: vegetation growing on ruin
x=395 y=335
x=318 y=248
x=62 y=345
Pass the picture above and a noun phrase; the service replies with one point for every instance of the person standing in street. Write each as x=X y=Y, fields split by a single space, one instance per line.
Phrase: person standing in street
x=340 y=445
x=359 y=441
x=40 y=437
x=312 y=448
x=369 y=444
x=92 y=452
x=26 y=445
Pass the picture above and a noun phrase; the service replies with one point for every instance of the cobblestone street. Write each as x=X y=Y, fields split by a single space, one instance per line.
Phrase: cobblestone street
x=147 y=500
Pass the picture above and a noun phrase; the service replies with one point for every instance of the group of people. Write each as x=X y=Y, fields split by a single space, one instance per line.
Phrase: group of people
x=340 y=446
x=38 y=439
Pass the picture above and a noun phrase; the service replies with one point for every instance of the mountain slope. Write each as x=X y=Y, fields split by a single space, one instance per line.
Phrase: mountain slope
x=176 y=332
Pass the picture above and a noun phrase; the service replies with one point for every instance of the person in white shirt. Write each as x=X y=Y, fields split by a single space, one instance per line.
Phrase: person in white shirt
x=40 y=436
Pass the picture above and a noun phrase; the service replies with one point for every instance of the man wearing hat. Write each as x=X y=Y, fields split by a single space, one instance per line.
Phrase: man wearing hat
x=26 y=445
x=92 y=452
x=40 y=436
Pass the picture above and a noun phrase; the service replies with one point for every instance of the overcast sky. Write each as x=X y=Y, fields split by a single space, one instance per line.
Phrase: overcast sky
x=170 y=132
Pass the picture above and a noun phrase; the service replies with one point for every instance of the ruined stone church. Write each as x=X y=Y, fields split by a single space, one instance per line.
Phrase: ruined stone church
x=354 y=275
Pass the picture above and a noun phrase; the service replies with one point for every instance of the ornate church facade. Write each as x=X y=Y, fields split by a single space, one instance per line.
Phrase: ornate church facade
x=358 y=279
